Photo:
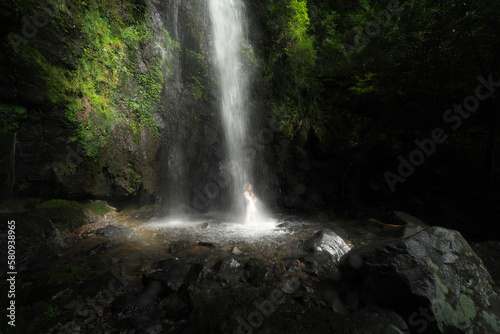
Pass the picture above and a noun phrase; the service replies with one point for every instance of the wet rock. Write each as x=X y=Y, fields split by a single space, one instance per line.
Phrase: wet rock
x=236 y=251
x=433 y=279
x=206 y=244
x=113 y=231
x=102 y=248
x=289 y=286
x=227 y=264
x=319 y=265
x=327 y=241
x=204 y=226
x=171 y=273
x=256 y=272
x=200 y=274
x=285 y=225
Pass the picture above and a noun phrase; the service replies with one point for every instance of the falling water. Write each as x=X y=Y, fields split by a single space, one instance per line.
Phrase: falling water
x=227 y=24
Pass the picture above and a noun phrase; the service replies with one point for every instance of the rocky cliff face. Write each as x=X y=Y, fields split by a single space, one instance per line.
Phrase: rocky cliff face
x=78 y=132
x=119 y=101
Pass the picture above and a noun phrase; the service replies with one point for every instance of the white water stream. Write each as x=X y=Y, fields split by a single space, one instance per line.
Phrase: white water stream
x=227 y=23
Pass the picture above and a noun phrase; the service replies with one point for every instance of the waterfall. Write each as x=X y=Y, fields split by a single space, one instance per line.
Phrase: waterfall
x=227 y=24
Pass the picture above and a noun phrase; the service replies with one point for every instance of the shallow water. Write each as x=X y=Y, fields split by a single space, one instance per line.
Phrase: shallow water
x=216 y=234
x=208 y=238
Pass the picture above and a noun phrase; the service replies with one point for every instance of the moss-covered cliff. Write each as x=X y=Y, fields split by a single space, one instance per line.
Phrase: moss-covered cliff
x=80 y=89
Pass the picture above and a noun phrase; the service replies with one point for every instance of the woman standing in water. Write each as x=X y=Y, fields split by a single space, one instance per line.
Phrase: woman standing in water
x=250 y=200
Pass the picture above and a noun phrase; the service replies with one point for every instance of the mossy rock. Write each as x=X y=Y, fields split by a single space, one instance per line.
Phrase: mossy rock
x=64 y=213
x=99 y=208
x=433 y=271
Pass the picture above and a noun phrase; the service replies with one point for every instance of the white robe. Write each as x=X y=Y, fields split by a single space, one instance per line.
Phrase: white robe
x=250 y=205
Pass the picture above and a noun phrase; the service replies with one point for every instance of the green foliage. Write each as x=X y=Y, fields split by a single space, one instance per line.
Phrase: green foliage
x=199 y=57
x=91 y=93
x=147 y=100
x=249 y=56
x=197 y=82
x=132 y=178
x=364 y=85
x=195 y=28
x=172 y=50
x=379 y=72
x=291 y=66
x=361 y=72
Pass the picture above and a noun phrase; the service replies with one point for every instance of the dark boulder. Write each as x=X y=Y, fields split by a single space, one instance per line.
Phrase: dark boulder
x=228 y=264
x=433 y=279
x=256 y=272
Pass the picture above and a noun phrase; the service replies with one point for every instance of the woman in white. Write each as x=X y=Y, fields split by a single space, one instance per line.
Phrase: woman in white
x=250 y=200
